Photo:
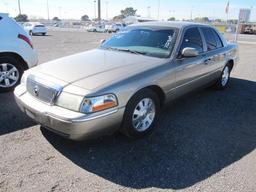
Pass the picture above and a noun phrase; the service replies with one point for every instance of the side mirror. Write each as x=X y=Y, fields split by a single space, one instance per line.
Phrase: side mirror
x=189 y=52
x=102 y=41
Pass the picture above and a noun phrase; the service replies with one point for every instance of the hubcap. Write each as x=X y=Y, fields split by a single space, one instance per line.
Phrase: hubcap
x=144 y=114
x=9 y=75
x=225 y=76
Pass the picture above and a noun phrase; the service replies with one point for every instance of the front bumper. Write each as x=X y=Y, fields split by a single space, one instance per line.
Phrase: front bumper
x=69 y=124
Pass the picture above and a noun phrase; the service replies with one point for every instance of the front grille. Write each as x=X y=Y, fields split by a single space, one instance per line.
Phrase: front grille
x=42 y=90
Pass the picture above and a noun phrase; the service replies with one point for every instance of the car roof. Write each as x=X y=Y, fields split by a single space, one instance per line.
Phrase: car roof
x=4 y=15
x=175 y=24
x=35 y=23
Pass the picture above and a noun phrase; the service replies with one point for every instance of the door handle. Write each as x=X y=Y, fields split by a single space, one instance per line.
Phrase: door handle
x=207 y=61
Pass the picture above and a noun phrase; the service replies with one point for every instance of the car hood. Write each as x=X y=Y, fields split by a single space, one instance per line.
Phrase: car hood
x=92 y=69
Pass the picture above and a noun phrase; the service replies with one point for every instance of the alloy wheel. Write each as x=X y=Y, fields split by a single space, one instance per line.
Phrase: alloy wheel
x=144 y=114
x=9 y=75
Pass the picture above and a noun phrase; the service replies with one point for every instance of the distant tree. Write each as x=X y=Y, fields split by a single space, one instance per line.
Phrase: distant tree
x=217 y=20
x=129 y=11
x=205 y=19
x=232 y=21
x=202 y=19
x=85 y=18
x=21 y=18
x=171 y=19
x=56 y=19
x=118 y=17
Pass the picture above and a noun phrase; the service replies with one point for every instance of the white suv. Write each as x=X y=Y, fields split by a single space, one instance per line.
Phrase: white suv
x=16 y=53
x=34 y=28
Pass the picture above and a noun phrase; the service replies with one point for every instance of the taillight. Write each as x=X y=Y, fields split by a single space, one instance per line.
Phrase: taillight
x=26 y=39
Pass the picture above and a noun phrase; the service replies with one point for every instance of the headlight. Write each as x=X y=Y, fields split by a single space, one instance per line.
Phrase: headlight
x=99 y=103
x=69 y=101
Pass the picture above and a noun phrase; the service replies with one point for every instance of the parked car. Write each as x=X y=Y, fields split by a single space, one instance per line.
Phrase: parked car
x=34 y=28
x=115 y=27
x=123 y=84
x=250 y=29
x=16 y=53
x=96 y=28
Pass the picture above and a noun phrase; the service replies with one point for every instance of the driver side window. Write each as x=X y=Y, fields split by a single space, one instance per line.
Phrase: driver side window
x=192 y=38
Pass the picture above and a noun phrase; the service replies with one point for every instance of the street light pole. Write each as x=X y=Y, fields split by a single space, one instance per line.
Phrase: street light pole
x=149 y=13
x=94 y=1
x=19 y=7
x=158 y=11
x=99 y=10
x=106 y=10
x=48 y=15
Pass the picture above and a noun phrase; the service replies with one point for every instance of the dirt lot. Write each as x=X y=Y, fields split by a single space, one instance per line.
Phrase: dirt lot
x=205 y=142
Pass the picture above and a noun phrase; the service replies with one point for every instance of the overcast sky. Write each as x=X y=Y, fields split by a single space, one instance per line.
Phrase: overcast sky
x=180 y=9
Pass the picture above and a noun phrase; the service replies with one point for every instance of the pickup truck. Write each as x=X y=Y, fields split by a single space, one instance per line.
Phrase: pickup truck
x=125 y=82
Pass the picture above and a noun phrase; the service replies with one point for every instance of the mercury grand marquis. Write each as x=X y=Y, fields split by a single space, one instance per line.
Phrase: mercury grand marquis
x=124 y=83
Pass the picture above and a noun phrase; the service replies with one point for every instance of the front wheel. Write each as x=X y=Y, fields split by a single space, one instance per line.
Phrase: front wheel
x=10 y=73
x=141 y=114
x=223 y=80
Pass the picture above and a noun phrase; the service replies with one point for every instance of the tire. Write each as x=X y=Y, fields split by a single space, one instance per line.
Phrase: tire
x=43 y=34
x=8 y=64
x=129 y=123
x=223 y=80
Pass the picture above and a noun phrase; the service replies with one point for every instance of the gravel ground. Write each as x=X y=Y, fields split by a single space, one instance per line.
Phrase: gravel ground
x=205 y=142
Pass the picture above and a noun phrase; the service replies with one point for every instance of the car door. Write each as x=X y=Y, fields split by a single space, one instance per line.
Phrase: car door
x=190 y=70
x=214 y=54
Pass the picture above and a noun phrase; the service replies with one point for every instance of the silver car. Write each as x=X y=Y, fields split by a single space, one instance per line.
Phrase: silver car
x=123 y=84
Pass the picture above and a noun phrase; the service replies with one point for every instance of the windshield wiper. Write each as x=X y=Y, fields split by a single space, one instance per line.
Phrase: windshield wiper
x=125 y=50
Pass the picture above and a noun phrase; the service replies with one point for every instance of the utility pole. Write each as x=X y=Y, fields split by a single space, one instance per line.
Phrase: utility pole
x=99 y=10
x=19 y=7
x=48 y=15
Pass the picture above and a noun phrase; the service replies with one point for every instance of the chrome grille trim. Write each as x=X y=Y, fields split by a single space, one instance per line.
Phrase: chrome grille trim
x=42 y=89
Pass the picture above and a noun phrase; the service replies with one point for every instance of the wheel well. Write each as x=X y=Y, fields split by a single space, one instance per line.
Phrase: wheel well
x=230 y=63
x=16 y=56
x=160 y=93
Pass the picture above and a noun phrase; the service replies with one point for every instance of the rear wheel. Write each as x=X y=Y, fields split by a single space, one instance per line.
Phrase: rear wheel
x=141 y=114
x=43 y=34
x=10 y=73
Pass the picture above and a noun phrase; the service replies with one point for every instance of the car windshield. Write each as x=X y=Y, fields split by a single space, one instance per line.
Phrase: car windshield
x=39 y=26
x=153 y=42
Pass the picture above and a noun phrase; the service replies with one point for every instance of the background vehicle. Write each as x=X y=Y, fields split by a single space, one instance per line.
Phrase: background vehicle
x=127 y=79
x=250 y=29
x=115 y=27
x=96 y=28
x=16 y=53
x=34 y=28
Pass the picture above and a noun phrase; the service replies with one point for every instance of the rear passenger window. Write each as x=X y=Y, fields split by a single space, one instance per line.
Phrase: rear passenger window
x=192 y=38
x=212 y=39
x=218 y=39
